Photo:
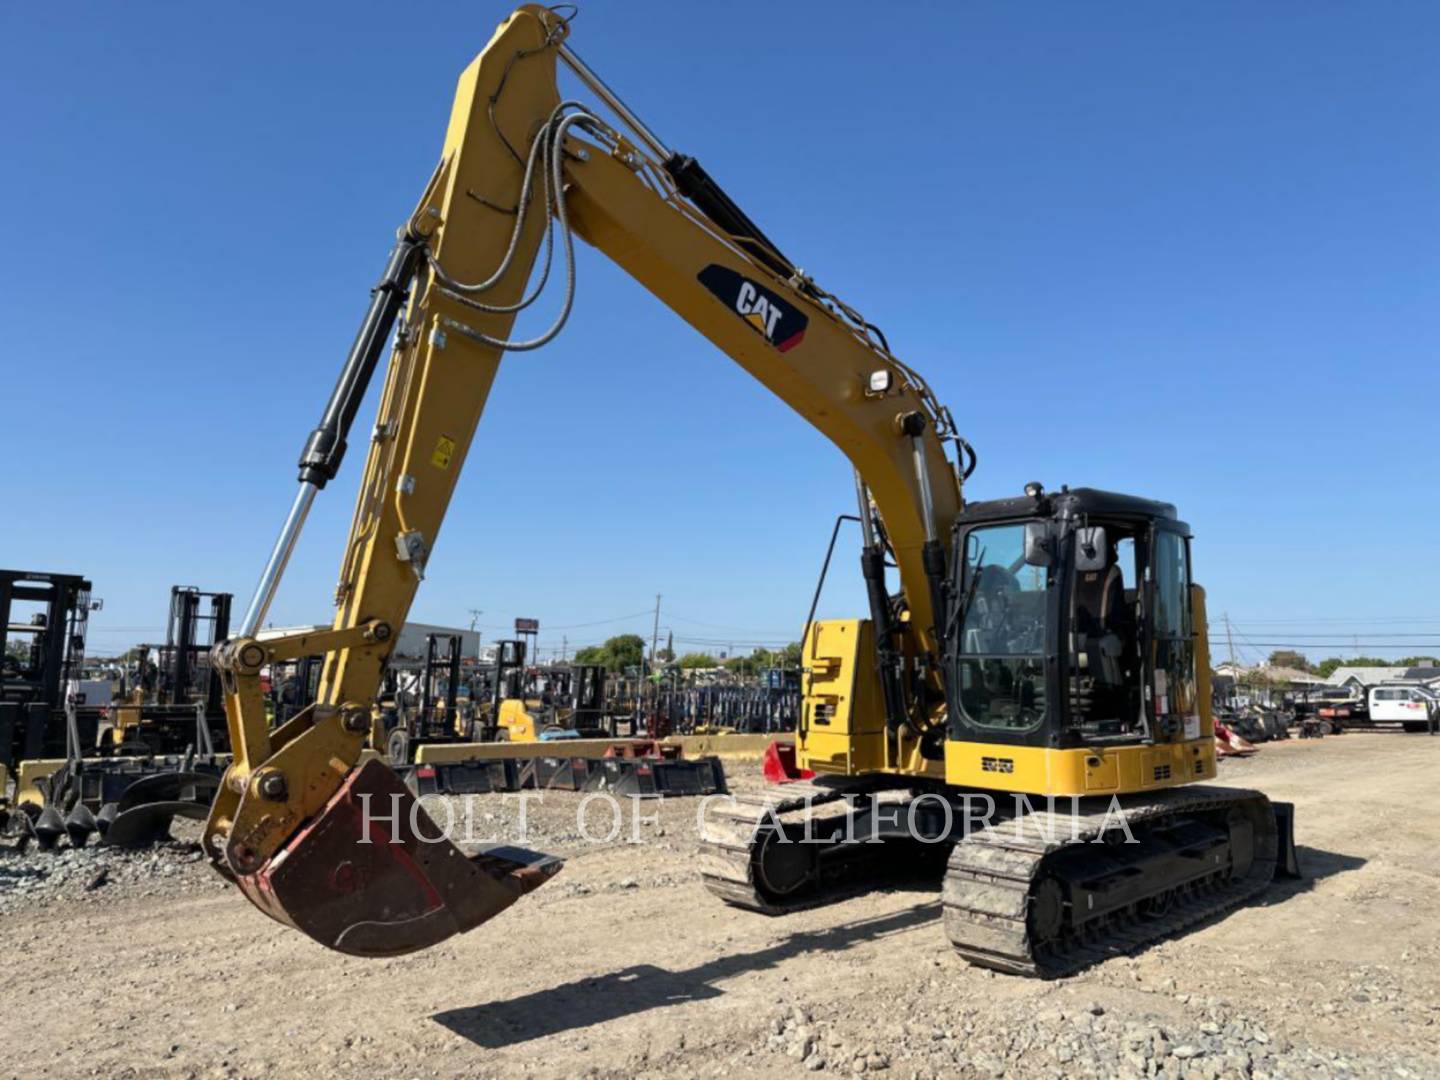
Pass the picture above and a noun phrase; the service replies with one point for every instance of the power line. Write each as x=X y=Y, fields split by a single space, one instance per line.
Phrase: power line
x=572 y=626
x=720 y=626
x=1362 y=637
x=1346 y=644
x=1344 y=620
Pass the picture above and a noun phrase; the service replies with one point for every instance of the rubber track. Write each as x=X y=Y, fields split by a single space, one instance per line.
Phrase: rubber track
x=990 y=875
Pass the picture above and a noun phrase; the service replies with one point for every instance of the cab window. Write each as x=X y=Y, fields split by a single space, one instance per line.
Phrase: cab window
x=1002 y=636
x=1174 y=645
x=1105 y=685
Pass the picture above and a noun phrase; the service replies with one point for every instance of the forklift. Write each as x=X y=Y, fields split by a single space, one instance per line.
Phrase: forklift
x=175 y=701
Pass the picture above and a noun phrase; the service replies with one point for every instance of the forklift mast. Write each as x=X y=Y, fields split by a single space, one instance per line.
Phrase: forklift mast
x=434 y=662
x=195 y=627
x=38 y=657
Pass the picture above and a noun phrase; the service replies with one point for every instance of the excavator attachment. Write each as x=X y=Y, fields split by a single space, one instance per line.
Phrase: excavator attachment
x=373 y=875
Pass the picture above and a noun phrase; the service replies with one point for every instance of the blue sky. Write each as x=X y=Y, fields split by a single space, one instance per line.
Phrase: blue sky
x=1187 y=251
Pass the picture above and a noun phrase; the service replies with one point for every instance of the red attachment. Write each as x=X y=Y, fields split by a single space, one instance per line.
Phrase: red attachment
x=779 y=765
x=1229 y=744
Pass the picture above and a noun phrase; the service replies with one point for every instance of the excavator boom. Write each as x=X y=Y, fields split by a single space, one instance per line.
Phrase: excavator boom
x=344 y=853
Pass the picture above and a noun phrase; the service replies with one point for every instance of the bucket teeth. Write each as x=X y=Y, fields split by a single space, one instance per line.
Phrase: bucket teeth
x=105 y=817
x=80 y=824
x=49 y=827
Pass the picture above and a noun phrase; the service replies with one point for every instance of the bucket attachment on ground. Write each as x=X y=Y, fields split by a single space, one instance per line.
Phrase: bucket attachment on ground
x=657 y=776
x=634 y=768
x=646 y=748
x=463 y=777
x=373 y=875
x=555 y=773
x=778 y=764
x=1229 y=744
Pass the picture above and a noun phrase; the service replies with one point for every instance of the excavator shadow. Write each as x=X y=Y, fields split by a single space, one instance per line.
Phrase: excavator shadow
x=598 y=999
x=1316 y=864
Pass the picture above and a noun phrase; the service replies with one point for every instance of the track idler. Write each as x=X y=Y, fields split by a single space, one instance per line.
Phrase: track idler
x=373 y=875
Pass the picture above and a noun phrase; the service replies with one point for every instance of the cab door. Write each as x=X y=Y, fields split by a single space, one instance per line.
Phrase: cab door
x=1170 y=689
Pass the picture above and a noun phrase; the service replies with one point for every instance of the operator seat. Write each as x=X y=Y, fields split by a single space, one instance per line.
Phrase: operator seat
x=1098 y=621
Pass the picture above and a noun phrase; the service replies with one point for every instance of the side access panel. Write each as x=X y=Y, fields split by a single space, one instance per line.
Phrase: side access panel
x=842 y=719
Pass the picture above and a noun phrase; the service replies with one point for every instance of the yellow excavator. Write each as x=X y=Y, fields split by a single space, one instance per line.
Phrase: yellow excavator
x=1050 y=645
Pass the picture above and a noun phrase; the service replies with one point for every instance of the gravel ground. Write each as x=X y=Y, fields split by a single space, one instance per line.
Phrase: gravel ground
x=623 y=966
x=100 y=875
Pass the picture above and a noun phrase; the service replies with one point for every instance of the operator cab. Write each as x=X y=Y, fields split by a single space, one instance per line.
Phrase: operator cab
x=1071 y=622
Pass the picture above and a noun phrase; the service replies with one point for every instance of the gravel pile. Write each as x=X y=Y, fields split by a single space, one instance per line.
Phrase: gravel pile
x=97 y=874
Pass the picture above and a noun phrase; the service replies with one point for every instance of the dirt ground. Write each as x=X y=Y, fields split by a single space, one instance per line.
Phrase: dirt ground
x=623 y=966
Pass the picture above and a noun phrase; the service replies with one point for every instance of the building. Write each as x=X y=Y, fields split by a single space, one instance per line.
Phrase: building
x=410 y=645
x=1362 y=678
x=1426 y=676
x=1262 y=684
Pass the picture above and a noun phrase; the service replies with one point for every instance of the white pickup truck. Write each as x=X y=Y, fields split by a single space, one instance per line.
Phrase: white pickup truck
x=1413 y=706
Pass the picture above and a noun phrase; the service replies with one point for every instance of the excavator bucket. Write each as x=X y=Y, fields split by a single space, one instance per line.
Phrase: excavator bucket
x=373 y=875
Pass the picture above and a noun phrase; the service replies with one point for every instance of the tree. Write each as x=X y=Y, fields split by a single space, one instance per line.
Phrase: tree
x=693 y=660
x=760 y=659
x=617 y=654
x=1253 y=678
x=1289 y=658
x=1416 y=661
x=1328 y=666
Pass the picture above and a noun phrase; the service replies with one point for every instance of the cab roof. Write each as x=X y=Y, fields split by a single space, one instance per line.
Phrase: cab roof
x=1069 y=503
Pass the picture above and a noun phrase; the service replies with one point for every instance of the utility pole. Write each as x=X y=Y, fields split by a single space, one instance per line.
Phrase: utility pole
x=564 y=647
x=475 y=614
x=654 y=644
x=1230 y=639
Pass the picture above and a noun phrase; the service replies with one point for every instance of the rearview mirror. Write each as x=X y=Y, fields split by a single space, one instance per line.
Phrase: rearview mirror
x=1037 y=544
x=1091 y=550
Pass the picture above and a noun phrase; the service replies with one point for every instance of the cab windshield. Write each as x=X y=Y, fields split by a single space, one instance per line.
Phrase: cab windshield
x=1002 y=635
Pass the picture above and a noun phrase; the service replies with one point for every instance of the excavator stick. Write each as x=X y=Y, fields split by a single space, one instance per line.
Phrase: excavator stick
x=373 y=875
x=342 y=853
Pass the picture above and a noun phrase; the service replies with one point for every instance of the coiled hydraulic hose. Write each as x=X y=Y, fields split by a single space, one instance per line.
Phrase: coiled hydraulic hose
x=551 y=138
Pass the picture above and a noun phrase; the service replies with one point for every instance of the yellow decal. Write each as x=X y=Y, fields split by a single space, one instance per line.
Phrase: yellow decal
x=444 y=451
